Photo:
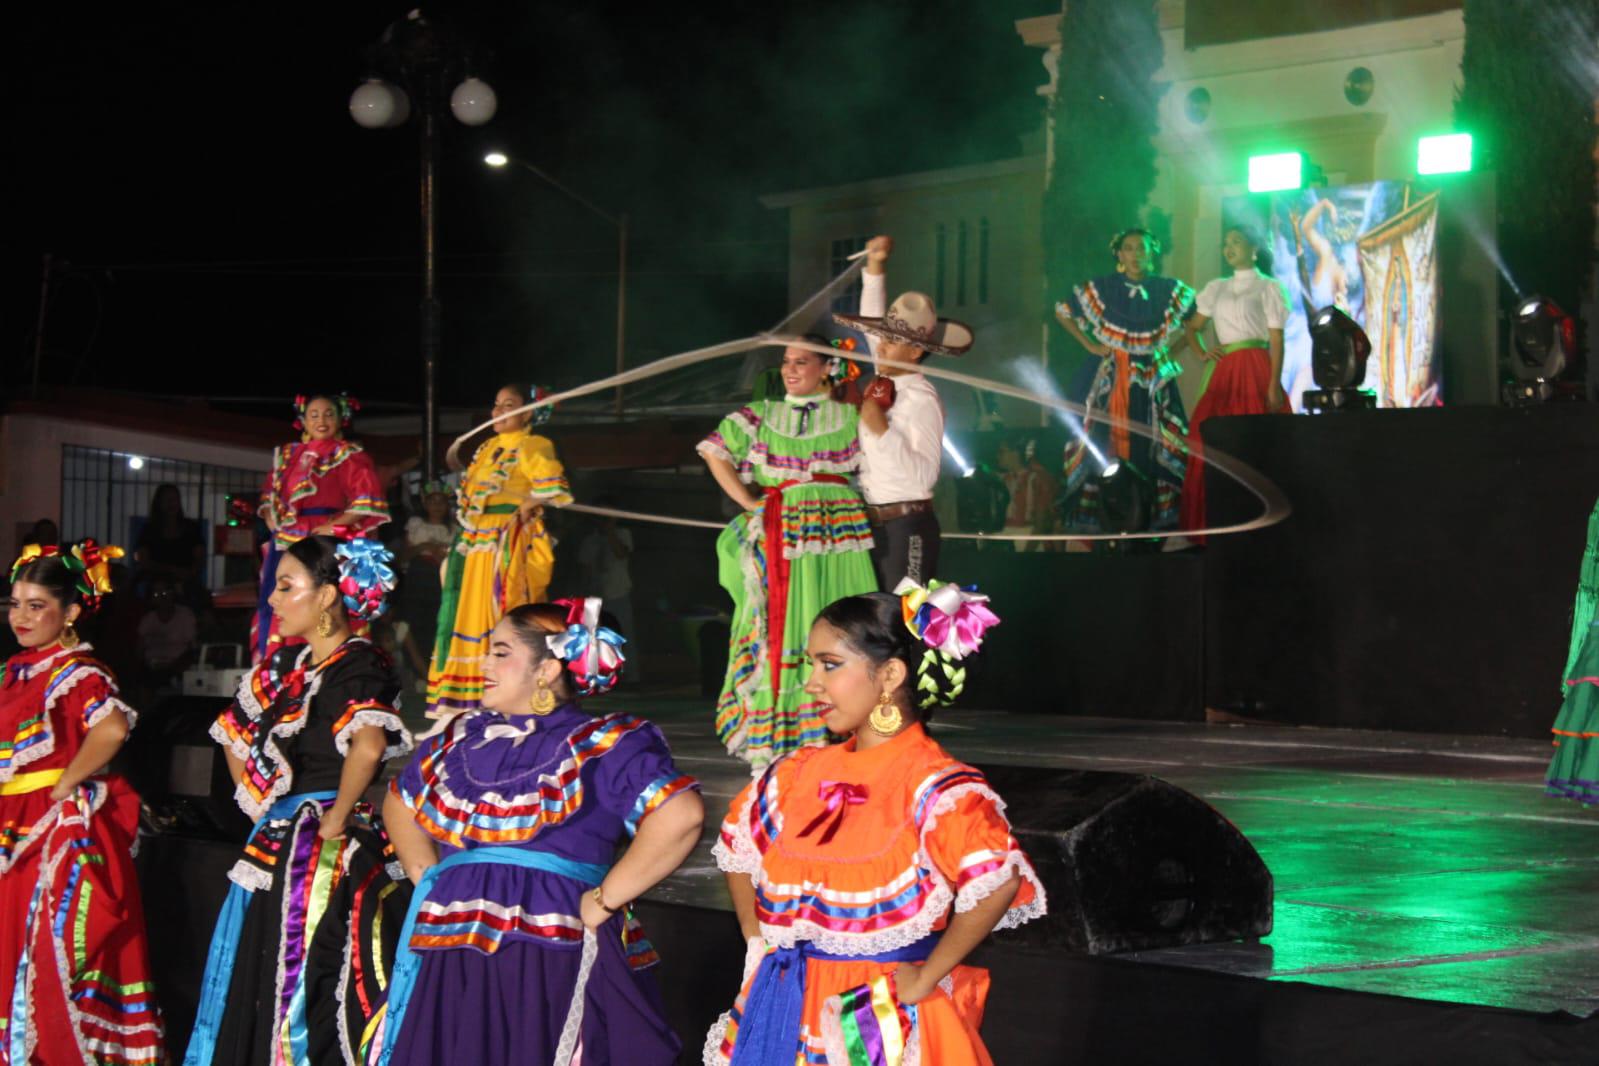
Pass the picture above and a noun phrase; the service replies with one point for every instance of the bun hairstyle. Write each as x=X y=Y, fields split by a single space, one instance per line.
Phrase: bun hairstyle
x=928 y=629
x=359 y=569
x=570 y=630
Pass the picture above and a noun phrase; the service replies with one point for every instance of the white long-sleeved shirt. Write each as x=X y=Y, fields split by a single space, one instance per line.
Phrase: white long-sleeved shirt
x=902 y=463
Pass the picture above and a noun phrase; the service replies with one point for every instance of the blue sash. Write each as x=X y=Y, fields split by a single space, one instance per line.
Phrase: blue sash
x=407 y=962
x=769 y=1027
x=225 y=942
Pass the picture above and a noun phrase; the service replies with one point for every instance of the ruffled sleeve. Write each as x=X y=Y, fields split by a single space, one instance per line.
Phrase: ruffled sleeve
x=239 y=726
x=414 y=785
x=364 y=693
x=754 y=818
x=637 y=776
x=82 y=694
x=1205 y=302
x=967 y=839
x=730 y=440
x=546 y=477
x=363 y=492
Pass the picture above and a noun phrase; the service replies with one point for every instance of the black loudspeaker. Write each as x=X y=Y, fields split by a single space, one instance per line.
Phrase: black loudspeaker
x=1130 y=863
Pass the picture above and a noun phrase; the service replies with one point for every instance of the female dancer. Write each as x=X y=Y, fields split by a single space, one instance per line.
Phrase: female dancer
x=519 y=947
x=324 y=485
x=1244 y=376
x=1132 y=320
x=502 y=557
x=74 y=974
x=295 y=969
x=803 y=542
x=863 y=873
x=1574 y=771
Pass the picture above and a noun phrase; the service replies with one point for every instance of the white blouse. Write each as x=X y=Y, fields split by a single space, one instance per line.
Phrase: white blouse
x=1244 y=306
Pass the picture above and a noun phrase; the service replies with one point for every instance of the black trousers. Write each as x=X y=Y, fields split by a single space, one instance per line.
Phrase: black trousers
x=906 y=547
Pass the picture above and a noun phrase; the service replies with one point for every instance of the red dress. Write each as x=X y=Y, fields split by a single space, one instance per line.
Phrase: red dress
x=71 y=921
x=310 y=483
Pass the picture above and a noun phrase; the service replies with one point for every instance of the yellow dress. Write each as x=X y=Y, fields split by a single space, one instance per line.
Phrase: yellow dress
x=496 y=563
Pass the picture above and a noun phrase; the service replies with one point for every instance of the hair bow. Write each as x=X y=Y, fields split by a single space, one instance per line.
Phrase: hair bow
x=29 y=554
x=946 y=617
x=842 y=371
x=365 y=577
x=592 y=652
x=94 y=569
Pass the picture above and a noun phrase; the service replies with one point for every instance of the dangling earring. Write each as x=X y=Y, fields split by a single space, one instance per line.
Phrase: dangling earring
x=324 y=624
x=543 y=701
x=69 y=637
x=1120 y=269
x=885 y=719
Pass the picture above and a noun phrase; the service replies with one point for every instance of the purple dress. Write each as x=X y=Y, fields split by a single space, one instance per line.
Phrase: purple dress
x=501 y=946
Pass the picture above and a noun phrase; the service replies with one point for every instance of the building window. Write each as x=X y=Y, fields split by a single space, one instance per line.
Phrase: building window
x=940 y=240
x=960 y=265
x=848 y=299
x=982 y=261
x=107 y=494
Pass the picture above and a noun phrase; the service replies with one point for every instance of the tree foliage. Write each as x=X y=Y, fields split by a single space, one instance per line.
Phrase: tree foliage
x=1105 y=120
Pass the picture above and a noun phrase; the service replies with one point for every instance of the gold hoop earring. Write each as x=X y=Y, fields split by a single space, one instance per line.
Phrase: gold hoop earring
x=69 y=637
x=886 y=719
x=324 y=624
x=543 y=701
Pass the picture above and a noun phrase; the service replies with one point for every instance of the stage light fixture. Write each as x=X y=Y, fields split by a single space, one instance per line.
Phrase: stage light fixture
x=1543 y=340
x=1276 y=172
x=1449 y=153
x=1124 y=498
x=496 y=159
x=1339 y=349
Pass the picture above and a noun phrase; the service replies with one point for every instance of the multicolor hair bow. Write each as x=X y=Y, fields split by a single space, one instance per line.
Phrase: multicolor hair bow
x=950 y=620
x=592 y=653
x=346 y=405
x=841 y=370
x=365 y=577
x=88 y=562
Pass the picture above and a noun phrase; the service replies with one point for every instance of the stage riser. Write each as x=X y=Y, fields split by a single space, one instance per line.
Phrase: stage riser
x=1425 y=580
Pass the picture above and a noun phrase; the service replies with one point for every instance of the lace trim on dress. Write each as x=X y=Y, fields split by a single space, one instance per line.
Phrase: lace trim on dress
x=388 y=721
x=743 y=857
x=273 y=757
x=980 y=888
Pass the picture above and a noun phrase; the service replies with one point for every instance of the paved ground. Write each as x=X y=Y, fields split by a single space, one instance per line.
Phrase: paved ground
x=1405 y=864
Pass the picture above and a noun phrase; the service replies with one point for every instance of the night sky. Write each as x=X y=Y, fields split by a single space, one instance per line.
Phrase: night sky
x=229 y=231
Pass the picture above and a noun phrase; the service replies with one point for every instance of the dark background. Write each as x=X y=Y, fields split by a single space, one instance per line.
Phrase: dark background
x=231 y=231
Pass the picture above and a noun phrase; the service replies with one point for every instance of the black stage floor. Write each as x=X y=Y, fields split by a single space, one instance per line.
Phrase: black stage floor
x=1424 y=867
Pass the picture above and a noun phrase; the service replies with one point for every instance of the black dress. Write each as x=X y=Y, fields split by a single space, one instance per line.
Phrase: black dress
x=317 y=934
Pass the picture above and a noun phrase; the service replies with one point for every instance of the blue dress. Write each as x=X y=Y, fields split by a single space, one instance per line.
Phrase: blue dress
x=1139 y=321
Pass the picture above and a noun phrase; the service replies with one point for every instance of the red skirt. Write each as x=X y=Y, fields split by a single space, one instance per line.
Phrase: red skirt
x=72 y=927
x=1237 y=386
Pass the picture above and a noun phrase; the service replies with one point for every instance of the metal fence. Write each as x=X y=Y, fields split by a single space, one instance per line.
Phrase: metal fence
x=106 y=495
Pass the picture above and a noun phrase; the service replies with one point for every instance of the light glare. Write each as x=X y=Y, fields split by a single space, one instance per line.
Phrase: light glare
x=496 y=159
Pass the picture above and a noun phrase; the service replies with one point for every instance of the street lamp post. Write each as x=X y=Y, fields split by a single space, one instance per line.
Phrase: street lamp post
x=422 y=57
x=500 y=159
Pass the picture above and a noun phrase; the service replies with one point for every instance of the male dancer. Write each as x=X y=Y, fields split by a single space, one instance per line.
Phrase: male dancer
x=902 y=422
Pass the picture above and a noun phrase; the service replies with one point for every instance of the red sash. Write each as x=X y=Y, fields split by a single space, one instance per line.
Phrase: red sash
x=777 y=570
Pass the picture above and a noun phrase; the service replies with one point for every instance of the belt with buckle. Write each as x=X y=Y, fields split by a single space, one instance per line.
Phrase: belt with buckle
x=887 y=512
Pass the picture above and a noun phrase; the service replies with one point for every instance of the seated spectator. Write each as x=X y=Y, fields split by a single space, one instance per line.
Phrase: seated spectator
x=168 y=635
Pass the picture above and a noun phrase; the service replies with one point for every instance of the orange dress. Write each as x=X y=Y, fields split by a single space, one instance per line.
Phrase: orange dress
x=858 y=859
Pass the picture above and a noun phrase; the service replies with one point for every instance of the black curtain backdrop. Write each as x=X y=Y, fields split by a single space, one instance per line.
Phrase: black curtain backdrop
x=1425 y=580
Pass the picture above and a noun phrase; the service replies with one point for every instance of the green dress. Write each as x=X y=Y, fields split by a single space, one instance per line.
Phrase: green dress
x=802 y=452
x=1574 y=771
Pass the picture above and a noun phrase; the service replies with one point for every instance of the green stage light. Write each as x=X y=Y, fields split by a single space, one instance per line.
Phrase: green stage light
x=1273 y=173
x=1447 y=154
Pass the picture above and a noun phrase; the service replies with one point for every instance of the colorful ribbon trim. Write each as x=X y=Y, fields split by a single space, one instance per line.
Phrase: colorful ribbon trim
x=876 y=1027
x=777 y=567
x=592 y=652
x=365 y=577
